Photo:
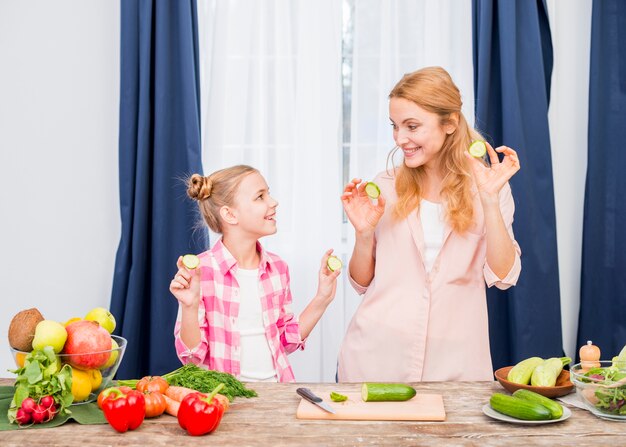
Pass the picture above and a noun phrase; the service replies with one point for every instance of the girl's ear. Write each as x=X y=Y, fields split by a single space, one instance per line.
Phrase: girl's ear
x=228 y=215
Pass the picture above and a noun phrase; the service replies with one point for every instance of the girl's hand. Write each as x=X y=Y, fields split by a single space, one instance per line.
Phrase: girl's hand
x=490 y=180
x=186 y=285
x=361 y=212
x=327 y=281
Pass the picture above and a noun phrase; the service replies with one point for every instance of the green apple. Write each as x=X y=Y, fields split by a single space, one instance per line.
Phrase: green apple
x=49 y=333
x=114 y=354
x=102 y=316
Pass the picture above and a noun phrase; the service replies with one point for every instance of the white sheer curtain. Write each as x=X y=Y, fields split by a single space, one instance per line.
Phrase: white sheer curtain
x=392 y=38
x=570 y=25
x=271 y=98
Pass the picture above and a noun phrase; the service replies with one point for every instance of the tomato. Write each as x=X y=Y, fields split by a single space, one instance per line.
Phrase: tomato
x=104 y=393
x=155 y=403
x=152 y=383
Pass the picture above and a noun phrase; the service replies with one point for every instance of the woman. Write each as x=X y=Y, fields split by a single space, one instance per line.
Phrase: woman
x=425 y=248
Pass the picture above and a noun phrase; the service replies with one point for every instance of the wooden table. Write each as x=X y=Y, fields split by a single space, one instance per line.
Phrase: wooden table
x=270 y=420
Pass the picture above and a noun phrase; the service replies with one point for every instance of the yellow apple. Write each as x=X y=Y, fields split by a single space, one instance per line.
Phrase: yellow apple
x=102 y=316
x=114 y=354
x=49 y=333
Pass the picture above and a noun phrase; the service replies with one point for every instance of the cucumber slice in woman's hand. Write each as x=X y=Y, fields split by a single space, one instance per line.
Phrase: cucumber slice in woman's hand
x=191 y=261
x=478 y=149
x=334 y=263
x=372 y=190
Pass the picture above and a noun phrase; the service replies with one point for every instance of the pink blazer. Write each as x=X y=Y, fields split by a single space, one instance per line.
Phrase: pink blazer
x=413 y=325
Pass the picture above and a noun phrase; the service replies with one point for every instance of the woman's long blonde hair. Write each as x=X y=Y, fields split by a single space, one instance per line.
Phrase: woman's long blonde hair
x=215 y=191
x=432 y=89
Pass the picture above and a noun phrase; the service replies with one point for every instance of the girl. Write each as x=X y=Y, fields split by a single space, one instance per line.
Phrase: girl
x=235 y=308
x=440 y=229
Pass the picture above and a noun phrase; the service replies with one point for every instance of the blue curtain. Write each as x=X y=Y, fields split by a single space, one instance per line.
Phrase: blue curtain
x=512 y=69
x=603 y=280
x=159 y=144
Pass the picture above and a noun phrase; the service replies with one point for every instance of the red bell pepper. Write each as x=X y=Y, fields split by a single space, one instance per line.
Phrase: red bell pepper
x=200 y=413
x=123 y=409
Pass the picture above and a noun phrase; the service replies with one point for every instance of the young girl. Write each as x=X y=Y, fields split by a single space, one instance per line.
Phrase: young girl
x=235 y=308
x=423 y=252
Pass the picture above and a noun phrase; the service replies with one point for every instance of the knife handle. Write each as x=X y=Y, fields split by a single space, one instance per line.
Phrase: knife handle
x=308 y=395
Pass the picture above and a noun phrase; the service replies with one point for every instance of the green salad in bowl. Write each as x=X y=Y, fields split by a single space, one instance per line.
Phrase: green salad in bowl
x=602 y=387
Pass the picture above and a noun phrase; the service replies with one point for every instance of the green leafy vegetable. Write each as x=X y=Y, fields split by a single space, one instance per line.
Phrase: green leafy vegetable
x=42 y=375
x=199 y=379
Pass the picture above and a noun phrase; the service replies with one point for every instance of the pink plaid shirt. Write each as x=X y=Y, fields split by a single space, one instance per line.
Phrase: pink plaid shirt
x=219 y=347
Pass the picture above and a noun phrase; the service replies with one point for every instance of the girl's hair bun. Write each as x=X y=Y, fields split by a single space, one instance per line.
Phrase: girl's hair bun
x=199 y=187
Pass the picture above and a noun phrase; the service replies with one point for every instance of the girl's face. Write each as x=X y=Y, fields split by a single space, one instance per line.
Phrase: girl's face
x=417 y=132
x=254 y=208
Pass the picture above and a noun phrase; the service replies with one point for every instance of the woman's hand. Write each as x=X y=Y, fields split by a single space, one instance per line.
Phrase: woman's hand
x=362 y=213
x=490 y=180
x=327 y=280
x=186 y=285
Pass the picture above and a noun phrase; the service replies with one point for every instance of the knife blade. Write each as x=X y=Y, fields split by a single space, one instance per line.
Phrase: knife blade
x=308 y=395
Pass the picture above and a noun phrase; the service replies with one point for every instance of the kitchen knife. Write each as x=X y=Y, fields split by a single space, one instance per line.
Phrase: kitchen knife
x=308 y=395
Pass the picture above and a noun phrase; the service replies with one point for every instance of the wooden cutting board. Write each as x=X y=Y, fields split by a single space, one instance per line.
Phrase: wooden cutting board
x=422 y=407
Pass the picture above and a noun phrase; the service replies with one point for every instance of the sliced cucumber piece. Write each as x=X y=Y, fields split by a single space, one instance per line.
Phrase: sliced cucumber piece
x=336 y=397
x=382 y=392
x=191 y=261
x=334 y=263
x=372 y=190
x=478 y=149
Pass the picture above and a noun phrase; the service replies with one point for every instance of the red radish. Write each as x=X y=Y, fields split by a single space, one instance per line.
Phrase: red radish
x=39 y=414
x=51 y=412
x=46 y=401
x=28 y=405
x=22 y=417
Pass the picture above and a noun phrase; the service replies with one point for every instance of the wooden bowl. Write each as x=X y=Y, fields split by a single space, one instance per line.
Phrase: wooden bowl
x=563 y=385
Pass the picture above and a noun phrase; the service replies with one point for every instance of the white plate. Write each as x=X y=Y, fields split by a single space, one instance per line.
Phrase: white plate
x=503 y=417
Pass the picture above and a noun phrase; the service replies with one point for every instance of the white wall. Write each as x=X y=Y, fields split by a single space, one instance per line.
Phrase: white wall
x=59 y=206
x=570 y=24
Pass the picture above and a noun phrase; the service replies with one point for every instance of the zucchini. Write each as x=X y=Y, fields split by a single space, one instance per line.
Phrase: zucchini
x=556 y=410
x=547 y=373
x=522 y=372
x=380 y=392
x=519 y=408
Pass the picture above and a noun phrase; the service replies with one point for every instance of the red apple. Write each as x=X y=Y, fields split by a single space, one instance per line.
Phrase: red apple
x=86 y=341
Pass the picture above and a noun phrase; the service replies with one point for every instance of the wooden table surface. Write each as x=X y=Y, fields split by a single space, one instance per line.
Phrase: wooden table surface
x=270 y=420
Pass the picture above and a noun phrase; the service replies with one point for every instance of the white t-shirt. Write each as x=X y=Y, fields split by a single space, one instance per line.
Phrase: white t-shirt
x=433 y=225
x=257 y=364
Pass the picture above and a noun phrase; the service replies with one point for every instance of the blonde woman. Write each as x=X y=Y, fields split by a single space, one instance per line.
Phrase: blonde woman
x=425 y=249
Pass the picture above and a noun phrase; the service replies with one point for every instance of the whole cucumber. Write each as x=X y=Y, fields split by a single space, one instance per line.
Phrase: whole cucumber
x=556 y=410
x=380 y=392
x=519 y=408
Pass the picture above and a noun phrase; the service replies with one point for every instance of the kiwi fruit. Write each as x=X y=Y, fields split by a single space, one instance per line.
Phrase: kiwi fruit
x=22 y=329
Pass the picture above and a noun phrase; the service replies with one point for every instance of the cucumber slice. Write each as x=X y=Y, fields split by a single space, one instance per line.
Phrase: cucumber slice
x=372 y=190
x=191 y=261
x=336 y=397
x=478 y=149
x=382 y=392
x=334 y=263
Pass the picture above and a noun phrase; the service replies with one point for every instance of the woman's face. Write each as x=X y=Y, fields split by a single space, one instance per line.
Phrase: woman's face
x=417 y=132
x=255 y=209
